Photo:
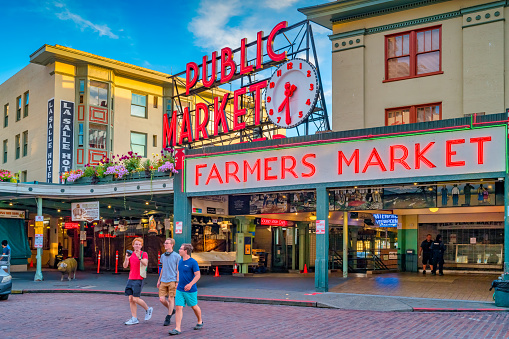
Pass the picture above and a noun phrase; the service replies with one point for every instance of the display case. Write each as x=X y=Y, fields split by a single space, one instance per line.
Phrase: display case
x=489 y=254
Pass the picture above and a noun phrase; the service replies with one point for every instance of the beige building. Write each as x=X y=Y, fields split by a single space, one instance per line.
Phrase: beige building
x=118 y=107
x=410 y=61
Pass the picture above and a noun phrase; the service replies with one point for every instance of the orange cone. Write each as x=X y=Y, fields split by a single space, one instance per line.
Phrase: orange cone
x=217 y=272
x=31 y=262
x=235 y=269
x=305 y=269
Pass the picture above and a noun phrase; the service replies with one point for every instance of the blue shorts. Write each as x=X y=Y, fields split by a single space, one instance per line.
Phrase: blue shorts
x=186 y=298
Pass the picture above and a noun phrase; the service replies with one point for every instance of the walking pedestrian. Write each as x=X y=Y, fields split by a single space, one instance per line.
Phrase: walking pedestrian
x=135 y=260
x=438 y=249
x=187 y=293
x=426 y=254
x=167 y=282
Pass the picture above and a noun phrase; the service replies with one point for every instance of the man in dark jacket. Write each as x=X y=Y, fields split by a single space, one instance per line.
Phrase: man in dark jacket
x=438 y=249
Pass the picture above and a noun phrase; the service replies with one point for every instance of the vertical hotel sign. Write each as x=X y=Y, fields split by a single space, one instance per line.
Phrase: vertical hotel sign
x=66 y=135
x=49 y=152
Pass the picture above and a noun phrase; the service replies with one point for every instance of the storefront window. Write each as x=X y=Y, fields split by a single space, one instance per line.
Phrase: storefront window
x=469 y=243
x=97 y=136
x=98 y=94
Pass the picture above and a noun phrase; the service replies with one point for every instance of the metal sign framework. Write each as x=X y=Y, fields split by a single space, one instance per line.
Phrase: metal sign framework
x=299 y=43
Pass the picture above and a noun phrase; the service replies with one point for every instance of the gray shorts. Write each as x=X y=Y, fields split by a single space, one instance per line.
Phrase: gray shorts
x=133 y=288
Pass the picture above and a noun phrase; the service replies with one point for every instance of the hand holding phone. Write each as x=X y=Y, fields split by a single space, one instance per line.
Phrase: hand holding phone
x=129 y=253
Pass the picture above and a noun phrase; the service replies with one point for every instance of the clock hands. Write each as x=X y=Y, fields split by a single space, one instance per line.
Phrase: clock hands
x=289 y=89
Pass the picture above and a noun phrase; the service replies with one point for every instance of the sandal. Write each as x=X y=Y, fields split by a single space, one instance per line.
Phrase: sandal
x=174 y=332
x=198 y=326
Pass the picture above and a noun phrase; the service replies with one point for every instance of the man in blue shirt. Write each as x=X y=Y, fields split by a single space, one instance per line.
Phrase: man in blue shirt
x=187 y=293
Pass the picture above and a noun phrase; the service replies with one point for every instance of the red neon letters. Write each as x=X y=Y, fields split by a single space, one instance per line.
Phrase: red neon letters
x=228 y=69
x=261 y=169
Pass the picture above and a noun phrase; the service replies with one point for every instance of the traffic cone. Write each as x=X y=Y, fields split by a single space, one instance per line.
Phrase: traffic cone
x=235 y=269
x=31 y=262
x=305 y=269
x=217 y=272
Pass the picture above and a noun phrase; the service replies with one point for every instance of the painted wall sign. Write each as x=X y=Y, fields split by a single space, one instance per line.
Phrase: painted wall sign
x=85 y=211
x=446 y=153
x=49 y=141
x=173 y=135
x=12 y=214
x=66 y=135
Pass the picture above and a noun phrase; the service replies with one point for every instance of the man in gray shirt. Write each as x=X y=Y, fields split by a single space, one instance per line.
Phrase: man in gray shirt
x=168 y=278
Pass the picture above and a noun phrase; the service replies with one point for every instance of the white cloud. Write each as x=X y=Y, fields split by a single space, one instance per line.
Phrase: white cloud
x=84 y=23
x=279 y=4
x=211 y=28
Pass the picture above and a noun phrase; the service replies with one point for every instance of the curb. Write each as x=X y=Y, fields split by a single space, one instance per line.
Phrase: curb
x=266 y=301
x=426 y=309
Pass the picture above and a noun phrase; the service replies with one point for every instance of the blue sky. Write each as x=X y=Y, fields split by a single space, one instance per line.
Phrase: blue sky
x=158 y=34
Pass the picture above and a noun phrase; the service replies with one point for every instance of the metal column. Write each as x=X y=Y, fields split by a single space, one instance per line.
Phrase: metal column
x=506 y=226
x=81 y=263
x=182 y=206
x=345 y=244
x=38 y=272
x=322 y=242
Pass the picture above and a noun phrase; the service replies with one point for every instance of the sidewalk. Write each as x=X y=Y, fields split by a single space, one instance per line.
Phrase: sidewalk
x=278 y=289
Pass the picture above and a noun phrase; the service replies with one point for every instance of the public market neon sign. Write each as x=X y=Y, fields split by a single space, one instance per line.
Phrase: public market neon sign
x=188 y=133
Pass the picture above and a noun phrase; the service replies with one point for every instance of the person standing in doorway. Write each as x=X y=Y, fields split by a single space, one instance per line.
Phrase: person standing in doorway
x=187 y=293
x=438 y=249
x=167 y=283
x=135 y=282
x=425 y=253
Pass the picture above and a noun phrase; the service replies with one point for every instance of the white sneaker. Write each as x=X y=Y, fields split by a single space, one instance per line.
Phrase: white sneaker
x=148 y=313
x=132 y=321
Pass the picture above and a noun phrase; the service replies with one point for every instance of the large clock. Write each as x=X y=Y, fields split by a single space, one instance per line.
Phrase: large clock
x=291 y=93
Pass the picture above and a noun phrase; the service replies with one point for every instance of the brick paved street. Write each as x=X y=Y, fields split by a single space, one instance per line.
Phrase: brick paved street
x=102 y=316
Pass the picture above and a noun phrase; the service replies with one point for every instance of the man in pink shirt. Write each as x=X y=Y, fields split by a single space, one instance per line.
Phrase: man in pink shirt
x=135 y=282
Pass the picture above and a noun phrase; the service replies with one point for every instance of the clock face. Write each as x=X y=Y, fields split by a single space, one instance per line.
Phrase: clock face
x=291 y=93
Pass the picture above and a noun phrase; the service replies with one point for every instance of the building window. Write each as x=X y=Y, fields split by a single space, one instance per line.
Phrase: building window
x=18 y=108
x=98 y=94
x=412 y=114
x=139 y=105
x=139 y=143
x=97 y=136
x=25 y=110
x=82 y=91
x=155 y=101
x=80 y=135
x=18 y=145
x=168 y=108
x=412 y=54
x=154 y=140
x=5 y=151
x=6 y=115
x=24 y=176
x=25 y=143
